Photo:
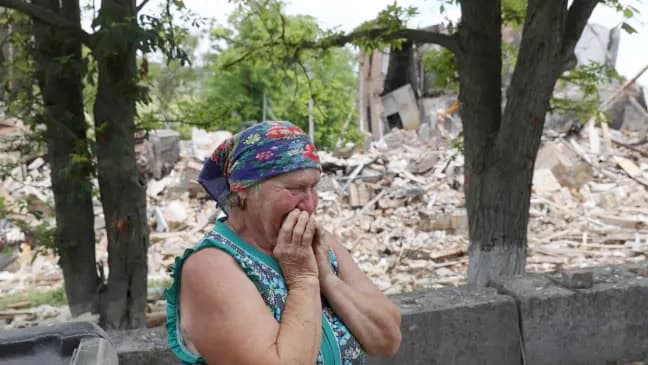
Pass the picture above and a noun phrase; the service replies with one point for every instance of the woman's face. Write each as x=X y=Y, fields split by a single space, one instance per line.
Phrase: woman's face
x=269 y=203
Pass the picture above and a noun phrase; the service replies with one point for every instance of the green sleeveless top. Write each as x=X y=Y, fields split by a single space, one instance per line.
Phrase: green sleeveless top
x=339 y=346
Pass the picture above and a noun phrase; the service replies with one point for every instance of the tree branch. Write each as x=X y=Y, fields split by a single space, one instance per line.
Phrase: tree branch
x=577 y=16
x=247 y=54
x=414 y=35
x=46 y=16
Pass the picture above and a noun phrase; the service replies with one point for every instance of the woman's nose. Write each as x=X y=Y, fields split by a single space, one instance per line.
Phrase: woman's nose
x=308 y=203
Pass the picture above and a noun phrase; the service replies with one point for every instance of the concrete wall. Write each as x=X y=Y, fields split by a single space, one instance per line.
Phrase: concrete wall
x=595 y=317
x=457 y=326
x=601 y=324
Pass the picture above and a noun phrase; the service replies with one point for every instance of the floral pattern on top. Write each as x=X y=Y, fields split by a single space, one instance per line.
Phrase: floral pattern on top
x=272 y=288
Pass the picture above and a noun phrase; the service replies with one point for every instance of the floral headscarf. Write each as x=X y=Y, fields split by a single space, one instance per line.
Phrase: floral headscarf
x=255 y=154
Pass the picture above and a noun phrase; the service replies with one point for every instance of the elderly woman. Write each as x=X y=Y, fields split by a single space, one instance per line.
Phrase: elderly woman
x=268 y=285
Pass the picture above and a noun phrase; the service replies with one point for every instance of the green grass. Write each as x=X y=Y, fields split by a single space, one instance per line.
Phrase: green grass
x=53 y=297
x=56 y=297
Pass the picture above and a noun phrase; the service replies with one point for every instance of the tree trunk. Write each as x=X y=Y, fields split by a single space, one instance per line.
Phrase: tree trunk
x=58 y=61
x=500 y=150
x=123 y=302
x=5 y=67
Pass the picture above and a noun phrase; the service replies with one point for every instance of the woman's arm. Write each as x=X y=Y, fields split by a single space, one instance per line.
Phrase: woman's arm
x=226 y=319
x=372 y=318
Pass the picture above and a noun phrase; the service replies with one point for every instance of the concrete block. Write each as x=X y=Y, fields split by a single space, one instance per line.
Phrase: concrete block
x=580 y=279
x=564 y=164
x=545 y=182
x=95 y=351
x=143 y=347
x=600 y=325
x=598 y=44
x=457 y=326
x=51 y=345
x=635 y=116
x=165 y=148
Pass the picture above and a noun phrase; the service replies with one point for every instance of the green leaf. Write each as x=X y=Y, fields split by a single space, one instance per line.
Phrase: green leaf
x=628 y=13
x=628 y=28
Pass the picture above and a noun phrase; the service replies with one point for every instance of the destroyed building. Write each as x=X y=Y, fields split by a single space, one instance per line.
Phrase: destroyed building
x=396 y=92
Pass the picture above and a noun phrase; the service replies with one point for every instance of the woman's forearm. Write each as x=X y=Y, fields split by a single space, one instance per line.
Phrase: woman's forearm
x=372 y=318
x=300 y=330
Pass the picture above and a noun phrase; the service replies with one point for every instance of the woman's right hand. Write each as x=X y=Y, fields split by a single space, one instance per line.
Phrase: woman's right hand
x=294 y=248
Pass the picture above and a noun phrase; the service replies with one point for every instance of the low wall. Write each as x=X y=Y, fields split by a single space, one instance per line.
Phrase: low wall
x=599 y=316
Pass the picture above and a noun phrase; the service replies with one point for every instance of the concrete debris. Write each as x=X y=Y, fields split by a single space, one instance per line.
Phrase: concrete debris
x=7 y=257
x=204 y=143
x=628 y=166
x=37 y=163
x=564 y=164
x=158 y=153
x=160 y=222
x=175 y=214
x=165 y=151
x=544 y=181
x=359 y=195
x=635 y=116
x=598 y=44
x=440 y=117
x=398 y=207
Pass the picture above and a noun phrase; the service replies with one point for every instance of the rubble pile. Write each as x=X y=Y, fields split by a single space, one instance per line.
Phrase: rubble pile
x=26 y=203
x=403 y=216
x=398 y=207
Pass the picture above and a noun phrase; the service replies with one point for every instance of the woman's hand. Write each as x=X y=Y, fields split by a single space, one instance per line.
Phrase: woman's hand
x=372 y=318
x=294 y=248
x=321 y=246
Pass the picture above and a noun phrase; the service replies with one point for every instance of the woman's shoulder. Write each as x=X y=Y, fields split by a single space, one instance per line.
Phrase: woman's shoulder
x=207 y=264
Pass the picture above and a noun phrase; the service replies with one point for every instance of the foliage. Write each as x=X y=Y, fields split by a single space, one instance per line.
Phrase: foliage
x=441 y=63
x=245 y=69
x=171 y=83
x=588 y=79
x=513 y=12
x=629 y=12
x=21 y=96
x=389 y=20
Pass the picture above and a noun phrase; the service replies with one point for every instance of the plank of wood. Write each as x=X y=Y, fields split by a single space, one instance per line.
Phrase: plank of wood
x=364 y=209
x=630 y=147
x=435 y=255
x=635 y=223
x=628 y=166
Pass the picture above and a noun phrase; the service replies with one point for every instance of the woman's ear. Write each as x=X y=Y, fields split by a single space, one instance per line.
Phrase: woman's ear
x=241 y=199
x=243 y=194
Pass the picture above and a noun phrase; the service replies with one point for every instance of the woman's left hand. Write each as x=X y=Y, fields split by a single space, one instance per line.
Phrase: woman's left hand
x=372 y=318
x=321 y=247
